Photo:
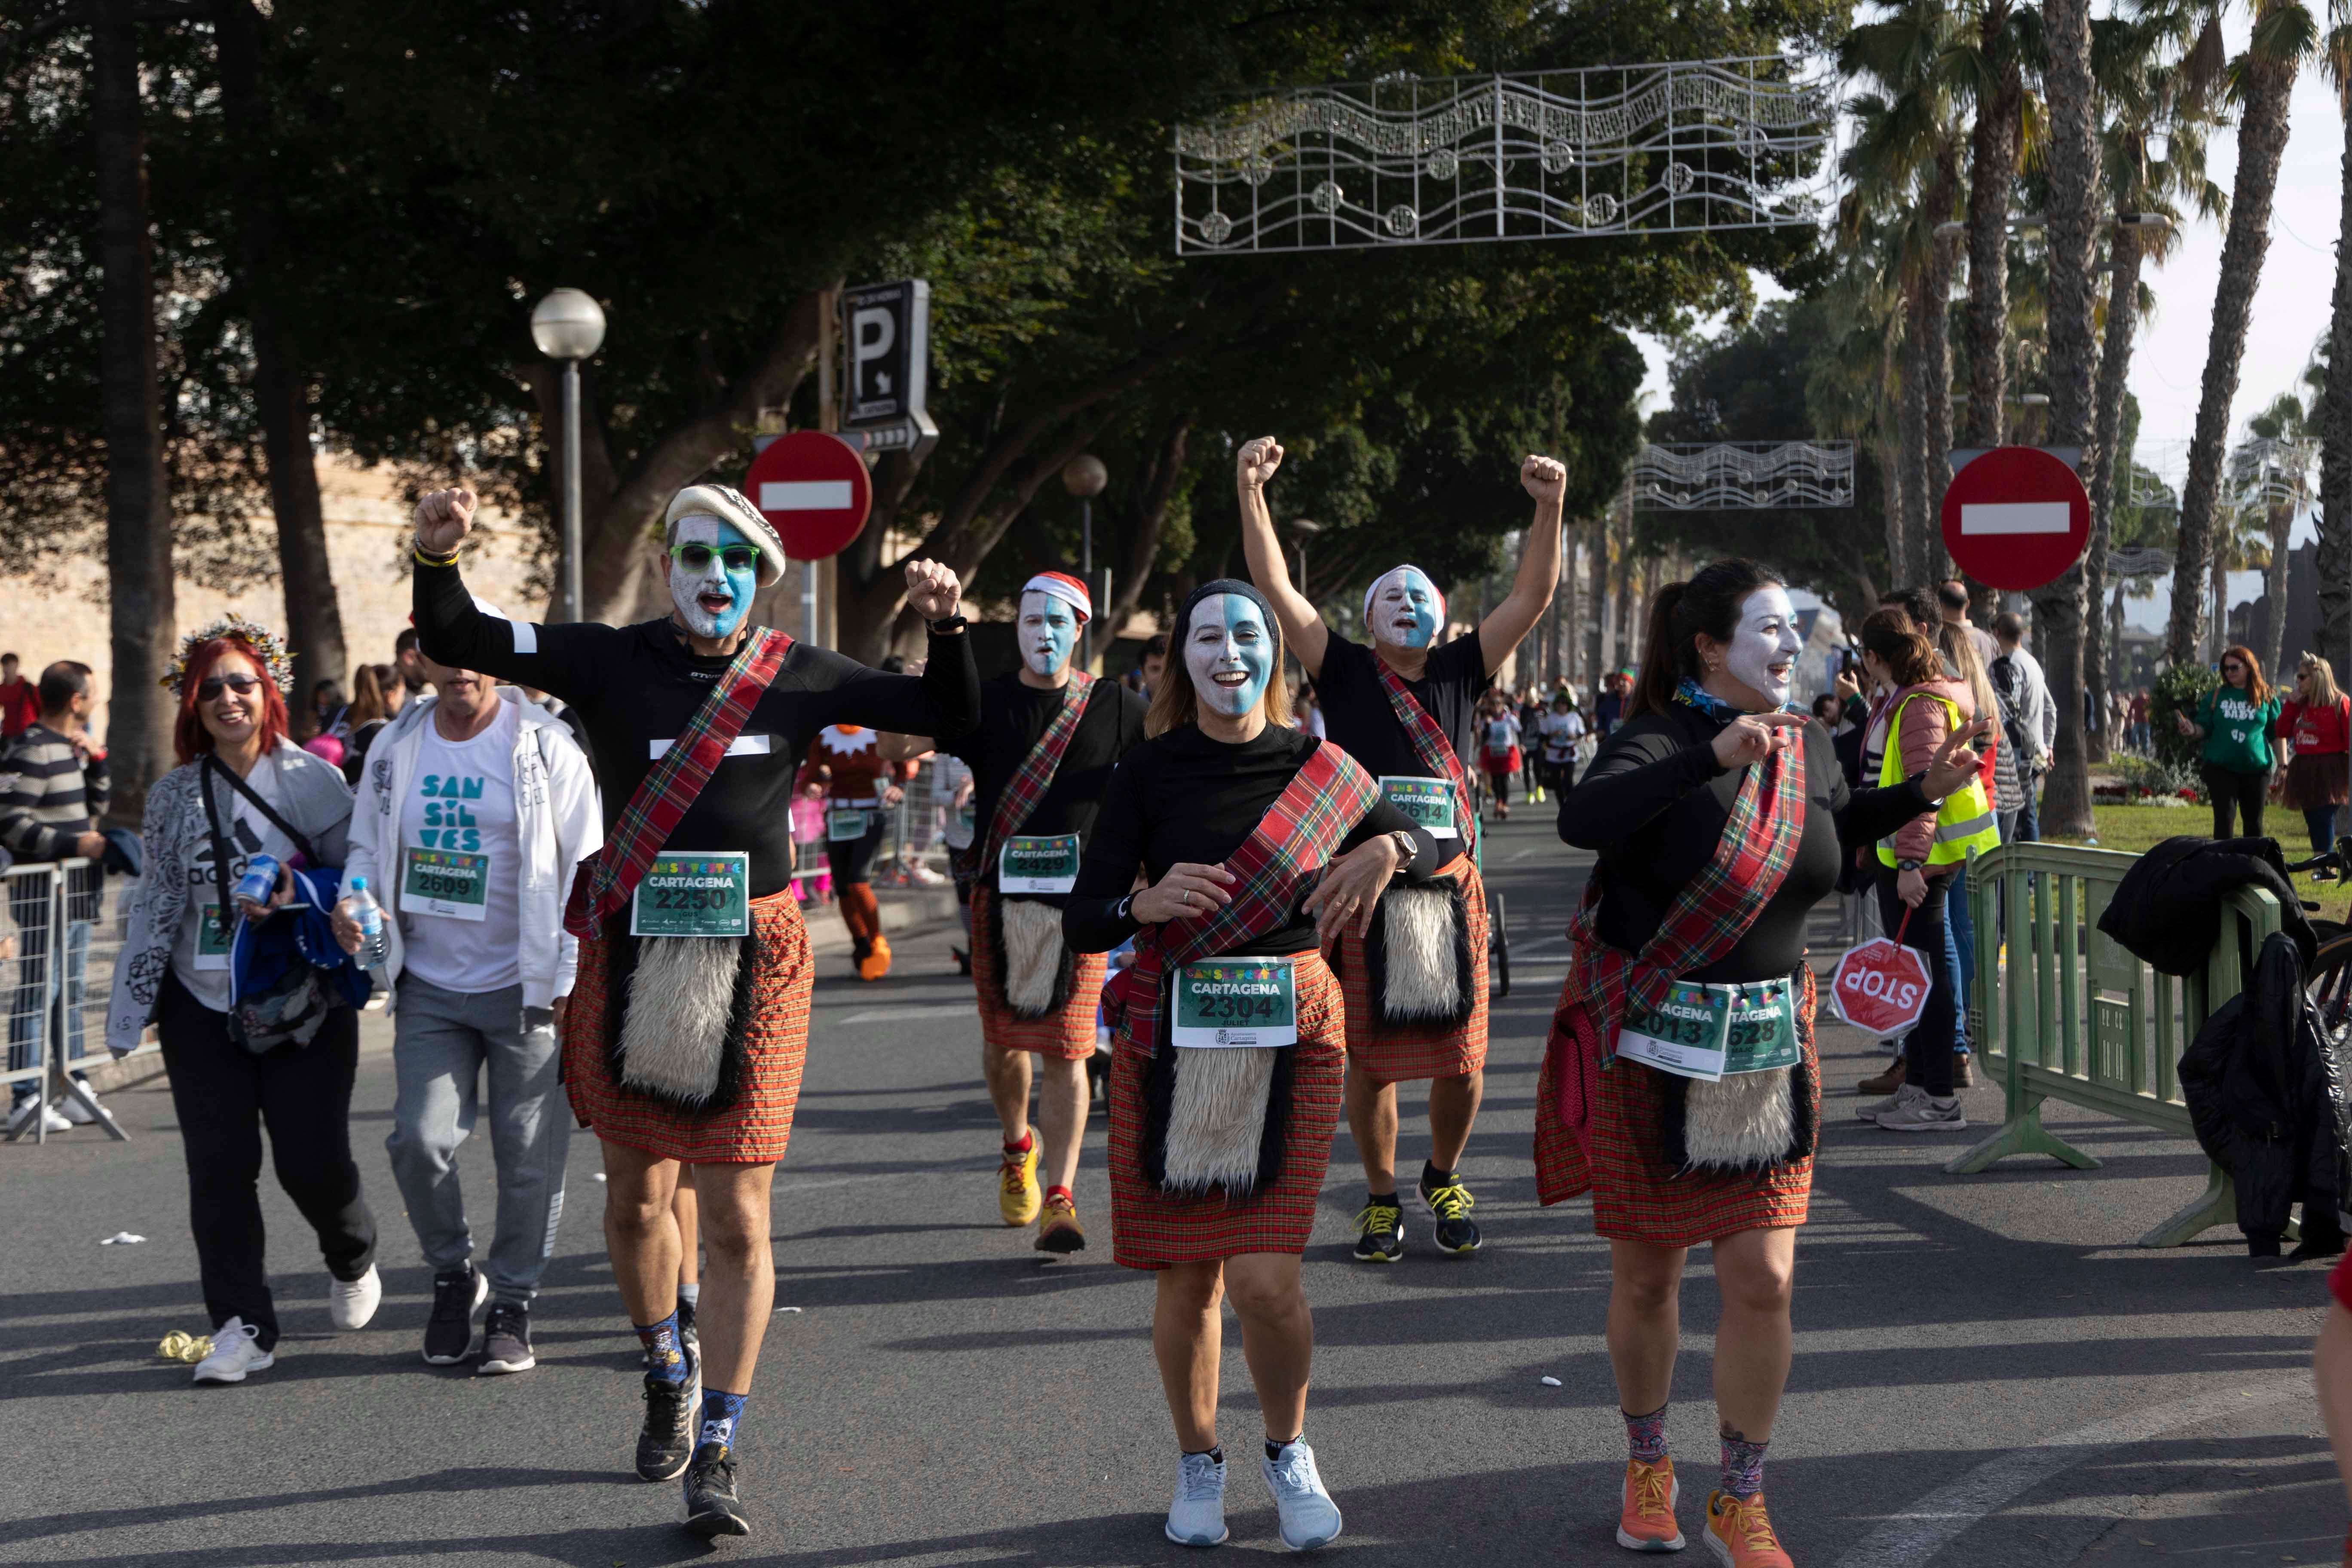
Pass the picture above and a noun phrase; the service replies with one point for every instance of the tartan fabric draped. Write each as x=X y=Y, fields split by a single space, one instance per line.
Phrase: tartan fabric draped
x=1272 y=870
x=663 y=794
x=1751 y=860
x=1435 y=751
x=1036 y=775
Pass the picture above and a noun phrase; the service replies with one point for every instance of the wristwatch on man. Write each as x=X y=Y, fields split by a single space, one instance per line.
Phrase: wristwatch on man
x=1407 y=847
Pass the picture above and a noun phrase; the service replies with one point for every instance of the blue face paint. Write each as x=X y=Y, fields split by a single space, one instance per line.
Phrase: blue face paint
x=716 y=580
x=1049 y=630
x=1229 y=638
x=1404 y=608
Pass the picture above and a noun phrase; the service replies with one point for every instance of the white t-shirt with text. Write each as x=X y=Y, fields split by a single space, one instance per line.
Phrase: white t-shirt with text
x=460 y=866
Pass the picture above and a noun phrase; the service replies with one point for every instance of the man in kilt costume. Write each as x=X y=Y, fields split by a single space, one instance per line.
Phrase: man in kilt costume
x=1680 y=1086
x=688 y=1021
x=1406 y=709
x=1259 y=843
x=1048 y=738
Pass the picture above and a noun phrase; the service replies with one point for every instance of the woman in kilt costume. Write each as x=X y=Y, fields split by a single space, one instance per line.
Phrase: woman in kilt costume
x=1680 y=1086
x=1406 y=709
x=688 y=1021
x=1258 y=842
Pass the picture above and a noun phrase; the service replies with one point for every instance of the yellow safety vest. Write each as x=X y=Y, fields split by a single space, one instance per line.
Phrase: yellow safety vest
x=1964 y=825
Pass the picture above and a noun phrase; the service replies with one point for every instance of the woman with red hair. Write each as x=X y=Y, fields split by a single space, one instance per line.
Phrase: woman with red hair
x=243 y=790
x=2234 y=720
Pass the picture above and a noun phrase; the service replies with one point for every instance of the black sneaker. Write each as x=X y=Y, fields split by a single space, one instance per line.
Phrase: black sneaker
x=667 y=1441
x=506 y=1340
x=1380 y=1233
x=711 y=1506
x=1450 y=1201
x=449 y=1332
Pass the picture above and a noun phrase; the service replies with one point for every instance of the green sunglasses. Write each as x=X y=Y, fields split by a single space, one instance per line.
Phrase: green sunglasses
x=697 y=557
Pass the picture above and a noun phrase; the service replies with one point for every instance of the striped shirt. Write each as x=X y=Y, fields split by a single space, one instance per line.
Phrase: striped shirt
x=47 y=797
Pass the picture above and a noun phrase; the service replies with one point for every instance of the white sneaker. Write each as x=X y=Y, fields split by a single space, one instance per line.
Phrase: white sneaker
x=237 y=1350
x=21 y=1119
x=73 y=1110
x=1309 y=1518
x=352 y=1302
x=1916 y=1111
x=1197 y=1516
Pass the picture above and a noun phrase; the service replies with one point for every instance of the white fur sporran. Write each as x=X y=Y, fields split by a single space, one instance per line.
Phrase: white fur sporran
x=1742 y=1122
x=1216 y=1119
x=1033 y=955
x=1423 y=939
x=681 y=996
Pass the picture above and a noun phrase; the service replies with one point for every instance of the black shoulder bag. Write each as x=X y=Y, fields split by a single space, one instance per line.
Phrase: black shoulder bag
x=297 y=1000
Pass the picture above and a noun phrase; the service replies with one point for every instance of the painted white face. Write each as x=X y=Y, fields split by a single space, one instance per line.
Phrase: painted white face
x=1764 y=648
x=1048 y=631
x=713 y=572
x=1229 y=654
x=1404 y=608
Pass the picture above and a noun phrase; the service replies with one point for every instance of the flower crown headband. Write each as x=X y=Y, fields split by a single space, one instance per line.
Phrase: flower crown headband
x=259 y=641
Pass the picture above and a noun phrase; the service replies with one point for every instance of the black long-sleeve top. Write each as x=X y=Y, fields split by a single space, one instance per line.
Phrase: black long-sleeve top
x=1184 y=796
x=1013 y=718
x=636 y=687
x=1653 y=805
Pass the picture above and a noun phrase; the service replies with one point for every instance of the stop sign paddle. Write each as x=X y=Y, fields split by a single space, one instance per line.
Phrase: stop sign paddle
x=2016 y=518
x=814 y=489
x=1881 y=987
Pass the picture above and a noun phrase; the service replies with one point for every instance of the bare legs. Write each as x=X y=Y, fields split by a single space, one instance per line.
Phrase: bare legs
x=1753 y=1270
x=682 y=1209
x=1277 y=1341
x=1061 y=1102
x=641 y=1235
x=1372 y=1119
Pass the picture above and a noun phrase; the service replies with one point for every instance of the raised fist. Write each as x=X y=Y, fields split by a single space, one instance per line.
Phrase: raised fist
x=932 y=589
x=1258 y=461
x=443 y=520
x=1545 y=478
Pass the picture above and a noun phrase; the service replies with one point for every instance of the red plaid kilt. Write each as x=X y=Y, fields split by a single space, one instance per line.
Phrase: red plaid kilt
x=1395 y=1053
x=1634 y=1197
x=1150 y=1229
x=1069 y=1035
x=755 y=1129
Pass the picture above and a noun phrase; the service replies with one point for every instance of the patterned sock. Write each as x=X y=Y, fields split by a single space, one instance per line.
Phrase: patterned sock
x=1274 y=1449
x=1743 y=1467
x=664 y=1351
x=720 y=1412
x=691 y=1294
x=1645 y=1436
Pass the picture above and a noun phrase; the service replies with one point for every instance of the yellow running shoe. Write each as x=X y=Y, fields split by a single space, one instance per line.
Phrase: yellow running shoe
x=1059 y=1230
x=1646 y=1522
x=1740 y=1534
x=1017 y=1197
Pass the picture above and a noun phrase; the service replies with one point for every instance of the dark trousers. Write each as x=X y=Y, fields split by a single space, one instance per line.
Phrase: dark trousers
x=2227 y=788
x=2320 y=821
x=1500 y=784
x=1928 y=1053
x=851 y=860
x=224 y=1096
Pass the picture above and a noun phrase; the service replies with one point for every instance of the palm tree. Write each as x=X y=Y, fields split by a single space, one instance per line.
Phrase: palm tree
x=1989 y=68
x=2270 y=480
x=2333 y=412
x=2261 y=80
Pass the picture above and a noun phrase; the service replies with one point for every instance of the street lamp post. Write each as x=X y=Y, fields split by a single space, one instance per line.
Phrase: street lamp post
x=568 y=326
x=1301 y=525
x=1083 y=477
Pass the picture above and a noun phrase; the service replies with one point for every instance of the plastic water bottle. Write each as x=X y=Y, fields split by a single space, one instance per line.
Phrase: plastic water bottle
x=368 y=915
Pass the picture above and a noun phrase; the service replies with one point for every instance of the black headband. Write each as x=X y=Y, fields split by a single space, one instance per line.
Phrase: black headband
x=1210 y=590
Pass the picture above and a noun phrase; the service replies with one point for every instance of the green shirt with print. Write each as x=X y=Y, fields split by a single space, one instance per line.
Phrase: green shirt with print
x=2238 y=729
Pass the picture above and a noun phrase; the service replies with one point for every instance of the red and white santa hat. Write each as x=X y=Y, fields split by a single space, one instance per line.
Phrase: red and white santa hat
x=1065 y=587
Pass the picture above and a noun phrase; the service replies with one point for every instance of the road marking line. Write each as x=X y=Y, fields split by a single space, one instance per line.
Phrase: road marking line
x=1910 y=1538
x=892 y=1014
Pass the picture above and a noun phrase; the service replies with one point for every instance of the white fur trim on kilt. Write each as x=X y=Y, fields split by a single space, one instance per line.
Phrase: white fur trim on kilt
x=1216 y=1119
x=680 y=998
x=1420 y=942
x=1033 y=955
x=1745 y=1121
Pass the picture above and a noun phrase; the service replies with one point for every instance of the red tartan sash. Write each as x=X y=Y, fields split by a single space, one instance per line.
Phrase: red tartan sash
x=1036 y=775
x=1274 y=868
x=604 y=884
x=1705 y=920
x=1430 y=744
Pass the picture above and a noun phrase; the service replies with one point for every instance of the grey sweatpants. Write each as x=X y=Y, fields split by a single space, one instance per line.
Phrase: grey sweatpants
x=441 y=1041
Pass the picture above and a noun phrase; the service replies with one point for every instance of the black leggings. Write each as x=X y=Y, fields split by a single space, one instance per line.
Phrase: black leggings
x=224 y=1096
x=1927 y=1055
x=2227 y=787
x=1500 y=785
x=851 y=860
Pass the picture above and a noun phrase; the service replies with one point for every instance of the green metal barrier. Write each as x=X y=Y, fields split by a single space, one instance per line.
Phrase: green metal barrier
x=2071 y=1015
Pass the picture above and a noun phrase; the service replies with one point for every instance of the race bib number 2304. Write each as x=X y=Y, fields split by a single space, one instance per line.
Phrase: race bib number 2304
x=1235 y=1002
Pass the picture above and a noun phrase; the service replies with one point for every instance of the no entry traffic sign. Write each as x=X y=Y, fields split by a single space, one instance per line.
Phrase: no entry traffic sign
x=815 y=489
x=1880 y=986
x=2016 y=518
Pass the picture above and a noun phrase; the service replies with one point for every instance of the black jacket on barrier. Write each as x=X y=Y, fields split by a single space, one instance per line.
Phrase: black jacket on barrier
x=2266 y=1094
x=2168 y=908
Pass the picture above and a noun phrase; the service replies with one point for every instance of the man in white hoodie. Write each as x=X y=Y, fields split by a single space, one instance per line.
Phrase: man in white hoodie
x=476 y=807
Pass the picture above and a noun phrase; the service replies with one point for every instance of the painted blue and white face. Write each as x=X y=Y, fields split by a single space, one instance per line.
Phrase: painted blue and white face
x=1404 y=608
x=713 y=599
x=1229 y=653
x=1764 y=648
x=1048 y=631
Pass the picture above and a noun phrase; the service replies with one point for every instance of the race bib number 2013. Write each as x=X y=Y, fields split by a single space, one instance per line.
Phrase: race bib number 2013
x=1235 y=1002
x=694 y=895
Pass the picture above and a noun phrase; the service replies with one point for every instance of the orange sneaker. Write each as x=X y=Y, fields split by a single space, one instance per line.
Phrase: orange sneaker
x=1740 y=1534
x=1647 y=1523
x=876 y=961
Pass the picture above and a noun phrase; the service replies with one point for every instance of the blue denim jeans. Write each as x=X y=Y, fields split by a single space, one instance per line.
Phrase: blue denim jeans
x=60 y=991
x=1960 y=954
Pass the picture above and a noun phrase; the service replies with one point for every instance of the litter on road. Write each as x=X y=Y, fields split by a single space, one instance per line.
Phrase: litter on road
x=123 y=1239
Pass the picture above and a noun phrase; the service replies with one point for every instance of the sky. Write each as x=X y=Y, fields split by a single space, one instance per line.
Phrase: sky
x=2289 y=308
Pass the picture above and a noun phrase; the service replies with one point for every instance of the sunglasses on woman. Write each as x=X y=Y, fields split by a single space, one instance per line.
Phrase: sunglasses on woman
x=211 y=685
x=697 y=557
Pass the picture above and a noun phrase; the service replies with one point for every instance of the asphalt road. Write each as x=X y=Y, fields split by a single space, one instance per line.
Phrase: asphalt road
x=1987 y=1371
